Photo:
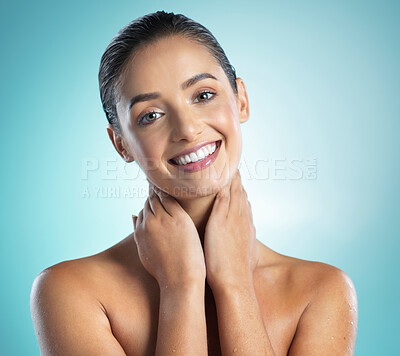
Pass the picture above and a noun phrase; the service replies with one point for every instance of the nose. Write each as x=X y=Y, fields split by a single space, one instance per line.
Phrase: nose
x=185 y=126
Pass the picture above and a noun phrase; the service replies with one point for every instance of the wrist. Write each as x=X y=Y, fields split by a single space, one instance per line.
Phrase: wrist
x=231 y=282
x=230 y=285
x=182 y=286
x=182 y=301
x=233 y=291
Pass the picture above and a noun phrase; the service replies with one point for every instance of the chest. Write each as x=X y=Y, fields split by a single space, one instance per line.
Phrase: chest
x=134 y=324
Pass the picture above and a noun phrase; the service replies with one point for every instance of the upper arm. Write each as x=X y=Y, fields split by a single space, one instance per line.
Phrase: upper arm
x=67 y=320
x=328 y=325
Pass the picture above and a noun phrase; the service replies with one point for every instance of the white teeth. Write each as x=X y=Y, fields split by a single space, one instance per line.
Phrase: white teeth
x=196 y=156
x=193 y=157
x=200 y=154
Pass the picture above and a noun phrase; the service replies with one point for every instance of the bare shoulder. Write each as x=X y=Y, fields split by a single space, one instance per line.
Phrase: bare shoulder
x=67 y=310
x=328 y=315
x=88 y=277
x=76 y=274
x=330 y=319
x=322 y=280
x=312 y=277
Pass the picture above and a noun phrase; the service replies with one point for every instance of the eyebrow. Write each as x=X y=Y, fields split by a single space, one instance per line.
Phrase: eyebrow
x=195 y=79
x=186 y=84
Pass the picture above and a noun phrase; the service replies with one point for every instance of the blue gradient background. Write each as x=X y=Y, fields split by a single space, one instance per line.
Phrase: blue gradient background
x=323 y=84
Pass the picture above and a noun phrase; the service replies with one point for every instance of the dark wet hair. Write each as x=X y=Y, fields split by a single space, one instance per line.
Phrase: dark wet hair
x=143 y=31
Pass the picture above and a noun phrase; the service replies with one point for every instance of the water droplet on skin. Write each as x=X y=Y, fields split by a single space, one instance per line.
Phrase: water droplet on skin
x=235 y=349
x=332 y=337
x=173 y=350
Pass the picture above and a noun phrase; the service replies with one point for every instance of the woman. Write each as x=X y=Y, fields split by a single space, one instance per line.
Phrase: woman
x=192 y=279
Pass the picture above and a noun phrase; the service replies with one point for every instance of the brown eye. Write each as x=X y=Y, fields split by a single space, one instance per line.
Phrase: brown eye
x=204 y=96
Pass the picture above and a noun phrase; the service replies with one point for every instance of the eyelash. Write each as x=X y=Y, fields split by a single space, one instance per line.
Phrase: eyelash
x=206 y=92
x=200 y=102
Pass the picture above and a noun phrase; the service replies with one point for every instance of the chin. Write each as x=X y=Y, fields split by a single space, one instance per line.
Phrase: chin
x=192 y=189
x=184 y=191
x=202 y=183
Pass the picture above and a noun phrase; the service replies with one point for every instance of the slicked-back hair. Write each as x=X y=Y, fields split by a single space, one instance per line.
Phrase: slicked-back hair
x=144 y=31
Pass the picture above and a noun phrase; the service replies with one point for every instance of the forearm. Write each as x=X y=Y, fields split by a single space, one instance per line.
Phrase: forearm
x=240 y=324
x=182 y=324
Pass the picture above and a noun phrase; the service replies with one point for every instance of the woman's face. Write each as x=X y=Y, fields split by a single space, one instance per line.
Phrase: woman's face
x=185 y=102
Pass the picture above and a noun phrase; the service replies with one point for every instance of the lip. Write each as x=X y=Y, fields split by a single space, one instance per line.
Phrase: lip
x=199 y=165
x=193 y=149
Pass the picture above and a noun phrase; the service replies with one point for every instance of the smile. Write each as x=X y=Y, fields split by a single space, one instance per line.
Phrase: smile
x=197 y=158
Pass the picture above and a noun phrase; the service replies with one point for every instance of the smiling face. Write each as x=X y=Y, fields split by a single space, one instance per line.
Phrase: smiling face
x=189 y=110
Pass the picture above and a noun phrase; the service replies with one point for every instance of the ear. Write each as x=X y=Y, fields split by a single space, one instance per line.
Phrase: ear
x=242 y=101
x=119 y=143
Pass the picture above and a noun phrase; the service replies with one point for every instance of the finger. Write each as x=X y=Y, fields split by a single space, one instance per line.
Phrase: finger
x=249 y=211
x=148 y=202
x=151 y=185
x=134 y=219
x=244 y=202
x=140 y=218
x=169 y=203
x=221 y=203
x=235 y=202
x=155 y=203
x=147 y=210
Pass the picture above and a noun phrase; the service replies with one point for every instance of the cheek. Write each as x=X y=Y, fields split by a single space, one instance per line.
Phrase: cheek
x=226 y=122
x=229 y=125
x=147 y=155
x=222 y=116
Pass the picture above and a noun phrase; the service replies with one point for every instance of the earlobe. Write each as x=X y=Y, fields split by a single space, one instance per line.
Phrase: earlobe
x=118 y=143
x=242 y=101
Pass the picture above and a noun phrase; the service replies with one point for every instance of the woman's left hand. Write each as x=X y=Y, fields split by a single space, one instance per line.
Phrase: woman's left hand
x=230 y=245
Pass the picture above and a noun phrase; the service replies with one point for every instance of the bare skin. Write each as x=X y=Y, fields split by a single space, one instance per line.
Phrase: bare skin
x=193 y=279
x=111 y=294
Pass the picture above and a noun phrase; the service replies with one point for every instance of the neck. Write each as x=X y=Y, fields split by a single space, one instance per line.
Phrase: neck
x=199 y=209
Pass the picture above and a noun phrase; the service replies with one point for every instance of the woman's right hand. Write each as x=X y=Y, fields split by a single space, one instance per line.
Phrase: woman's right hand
x=168 y=244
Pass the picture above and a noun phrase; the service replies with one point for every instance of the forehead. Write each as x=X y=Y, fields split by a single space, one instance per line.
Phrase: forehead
x=166 y=64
